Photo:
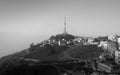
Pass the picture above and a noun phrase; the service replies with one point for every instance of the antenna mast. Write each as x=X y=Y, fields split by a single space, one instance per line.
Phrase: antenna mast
x=65 y=32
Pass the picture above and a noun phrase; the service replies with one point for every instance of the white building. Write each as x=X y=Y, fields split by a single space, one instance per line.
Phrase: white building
x=90 y=40
x=112 y=37
x=103 y=44
x=118 y=40
x=62 y=42
x=77 y=39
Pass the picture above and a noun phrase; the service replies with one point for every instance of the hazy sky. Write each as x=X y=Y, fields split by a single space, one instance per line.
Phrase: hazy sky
x=25 y=21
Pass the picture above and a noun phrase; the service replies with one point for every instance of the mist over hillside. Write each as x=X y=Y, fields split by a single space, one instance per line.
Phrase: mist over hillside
x=11 y=43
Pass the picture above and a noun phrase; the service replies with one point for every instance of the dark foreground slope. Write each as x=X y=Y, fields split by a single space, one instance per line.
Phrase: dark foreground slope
x=12 y=65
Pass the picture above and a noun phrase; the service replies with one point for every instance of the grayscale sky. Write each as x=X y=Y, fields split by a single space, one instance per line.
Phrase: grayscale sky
x=25 y=21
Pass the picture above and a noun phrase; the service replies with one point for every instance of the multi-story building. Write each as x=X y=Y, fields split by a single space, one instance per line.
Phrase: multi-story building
x=112 y=47
x=117 y=57
x=118 y=40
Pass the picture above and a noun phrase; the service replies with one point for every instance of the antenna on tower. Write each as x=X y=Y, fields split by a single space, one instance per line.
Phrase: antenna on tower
x=65 y=32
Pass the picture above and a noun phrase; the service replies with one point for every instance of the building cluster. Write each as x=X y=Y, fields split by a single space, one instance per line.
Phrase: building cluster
x=111 y=46
x=111 y=43
x=69 y=43
x=109 y=60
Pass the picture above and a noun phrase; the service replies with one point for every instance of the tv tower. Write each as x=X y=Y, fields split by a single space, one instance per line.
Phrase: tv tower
x=65 y=32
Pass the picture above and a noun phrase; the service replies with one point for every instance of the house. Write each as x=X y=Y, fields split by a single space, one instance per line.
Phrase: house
x=77 y=39
x=112 y=37
x=103 y=44
x=90 y=39
x=62 y=42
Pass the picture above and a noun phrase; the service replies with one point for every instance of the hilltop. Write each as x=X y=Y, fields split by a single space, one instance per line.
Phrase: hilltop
x=58 y=48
